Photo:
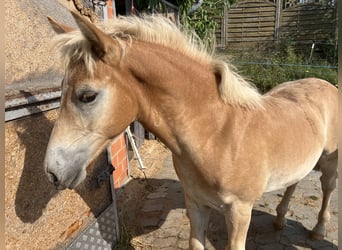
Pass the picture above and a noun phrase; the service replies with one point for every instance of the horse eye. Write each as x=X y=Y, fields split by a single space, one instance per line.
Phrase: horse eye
x=87 y=97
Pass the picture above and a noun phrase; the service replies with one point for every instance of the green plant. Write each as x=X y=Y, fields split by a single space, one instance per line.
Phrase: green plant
x=266 y=69
x=124 y=241
x=203 y=21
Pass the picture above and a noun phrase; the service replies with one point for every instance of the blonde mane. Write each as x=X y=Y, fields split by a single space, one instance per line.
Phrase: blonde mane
x=233 y=88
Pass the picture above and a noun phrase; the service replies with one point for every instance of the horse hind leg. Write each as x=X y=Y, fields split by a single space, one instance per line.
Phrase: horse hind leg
x=328 y=167
x=280 y=220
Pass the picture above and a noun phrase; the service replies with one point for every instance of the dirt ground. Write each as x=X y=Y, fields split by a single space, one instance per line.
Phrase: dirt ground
x=130 y=197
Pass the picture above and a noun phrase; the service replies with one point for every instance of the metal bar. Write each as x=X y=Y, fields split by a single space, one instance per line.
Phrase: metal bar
x=116 y=217
x=277 y=21
x=29 y=110
x=135 y=149
x=32 y=99
x=24 y=106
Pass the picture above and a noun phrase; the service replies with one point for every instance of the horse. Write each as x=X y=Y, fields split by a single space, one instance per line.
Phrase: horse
x=229 y=143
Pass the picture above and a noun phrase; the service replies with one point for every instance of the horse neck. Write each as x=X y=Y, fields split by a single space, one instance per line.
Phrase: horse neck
x=175 y=91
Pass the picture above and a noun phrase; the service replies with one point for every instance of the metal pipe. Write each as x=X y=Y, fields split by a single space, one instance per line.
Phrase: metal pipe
x=195 y=7
x=34 y=103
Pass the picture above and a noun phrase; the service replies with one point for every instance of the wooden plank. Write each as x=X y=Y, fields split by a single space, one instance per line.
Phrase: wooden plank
x=310 y=28
x=306 y=33
x=252 y=34
x=251 y=29
x=313 y=24
x=307 y=22
x=326 y=13
x=251 y=10
x=317 y=24
x=250 y=39
x=259 y=32
x=308 y=18
x=252 y=24
x=249 y=15
x=263 y=21
x=311 y=35
x=300 y=37
x=252 y=19
x=237 y=18
x=322 y=11
x=313 y=28
x=307 y=7
x=139 y=134
x=251 y=4
x=247 y=45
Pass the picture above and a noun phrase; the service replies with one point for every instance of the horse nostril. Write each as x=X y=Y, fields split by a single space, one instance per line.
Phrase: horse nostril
x=53 y=178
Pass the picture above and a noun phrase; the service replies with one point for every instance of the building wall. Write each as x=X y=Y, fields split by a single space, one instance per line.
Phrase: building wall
x=119 y=160
x=28 y=34
x=36 y=215
x=33 y=208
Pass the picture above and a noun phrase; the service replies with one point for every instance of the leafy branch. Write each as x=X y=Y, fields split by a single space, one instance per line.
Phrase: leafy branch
x=203 y=21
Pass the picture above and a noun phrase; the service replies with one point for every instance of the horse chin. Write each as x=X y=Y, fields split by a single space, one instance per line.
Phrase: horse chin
x=72 y=183
x=79 y=178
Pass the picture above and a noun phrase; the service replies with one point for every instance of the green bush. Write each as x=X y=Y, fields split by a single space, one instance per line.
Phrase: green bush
x=267 y=69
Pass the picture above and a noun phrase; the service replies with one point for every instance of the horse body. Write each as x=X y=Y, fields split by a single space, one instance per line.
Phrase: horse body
x=228 y=146
x=256 y=151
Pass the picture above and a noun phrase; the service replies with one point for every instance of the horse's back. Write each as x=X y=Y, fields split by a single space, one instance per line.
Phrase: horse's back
x=317 y=98
x=306 y=113
x=305 y=89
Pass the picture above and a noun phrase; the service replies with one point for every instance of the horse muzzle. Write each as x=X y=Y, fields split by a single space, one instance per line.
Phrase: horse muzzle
x=65 y=169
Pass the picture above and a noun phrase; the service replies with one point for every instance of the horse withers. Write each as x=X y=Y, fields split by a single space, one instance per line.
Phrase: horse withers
x=229 y=143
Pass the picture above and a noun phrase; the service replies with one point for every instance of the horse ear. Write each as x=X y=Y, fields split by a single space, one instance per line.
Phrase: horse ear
x=58 y=27
x=102 y=45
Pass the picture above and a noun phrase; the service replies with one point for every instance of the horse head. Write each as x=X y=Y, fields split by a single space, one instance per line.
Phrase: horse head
x=96 y=104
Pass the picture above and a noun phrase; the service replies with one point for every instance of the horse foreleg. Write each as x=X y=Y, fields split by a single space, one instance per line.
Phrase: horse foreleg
x=283 y=206
x=199 y=218
x=238 y=217
x=328 y=166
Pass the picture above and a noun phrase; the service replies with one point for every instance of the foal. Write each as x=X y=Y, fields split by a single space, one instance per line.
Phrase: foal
x=229 y=143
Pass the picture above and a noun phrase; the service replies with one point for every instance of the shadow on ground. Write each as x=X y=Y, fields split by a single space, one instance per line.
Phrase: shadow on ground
x=35 y=191
x=159 y=215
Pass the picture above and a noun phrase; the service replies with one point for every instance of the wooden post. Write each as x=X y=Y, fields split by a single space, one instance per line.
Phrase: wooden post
x=139 y=133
